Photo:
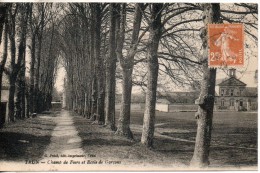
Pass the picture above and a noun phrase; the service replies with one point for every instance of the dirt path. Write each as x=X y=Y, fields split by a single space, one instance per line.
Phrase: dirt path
x=65 y=143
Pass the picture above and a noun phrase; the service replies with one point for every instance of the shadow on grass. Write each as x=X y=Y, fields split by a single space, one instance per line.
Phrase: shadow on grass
x=33 y=125
x=107 y=142
x=177 y=150
x=234 y=156
x=18 y=146
x=228 y=135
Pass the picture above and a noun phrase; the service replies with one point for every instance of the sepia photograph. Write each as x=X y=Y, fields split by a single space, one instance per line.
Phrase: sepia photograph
x=128 y=86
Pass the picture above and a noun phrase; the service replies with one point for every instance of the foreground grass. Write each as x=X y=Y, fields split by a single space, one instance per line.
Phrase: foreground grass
x=103 y=143
x=26 y=139
x=234 y=140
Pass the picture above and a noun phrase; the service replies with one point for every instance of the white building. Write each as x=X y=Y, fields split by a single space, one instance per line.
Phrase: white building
x=4 y=100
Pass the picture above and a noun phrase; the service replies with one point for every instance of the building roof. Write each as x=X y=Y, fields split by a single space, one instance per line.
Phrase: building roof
x=163 y=100
x=250 y=92
x=232 y=81
x=179 y=93
x=179 y=97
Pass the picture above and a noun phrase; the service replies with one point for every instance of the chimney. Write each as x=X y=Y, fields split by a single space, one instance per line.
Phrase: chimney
x=232 y=72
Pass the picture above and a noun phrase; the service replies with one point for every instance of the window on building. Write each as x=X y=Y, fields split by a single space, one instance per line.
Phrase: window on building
x=222 y=92
x=241 y=90
x=249 y=102
x=231 y=92
x=241 y=103
x=222 y=103
x=231 y=102
x=227 y=92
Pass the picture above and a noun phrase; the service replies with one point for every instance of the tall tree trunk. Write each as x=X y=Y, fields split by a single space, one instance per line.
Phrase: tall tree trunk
x=2 y=66
x=32 y=75
x=127 y=65
x=21 y=75
x=37 y=101
x=40 y=103
x=111 y=70
x=89 y=103
x=124 y=117
x=12 y=75
x=152 y=60
x=16 y=67
x=27 y=113
x=23 y=88
x=39 y=34
x=37 y=74
x=94 y=98
x=85 y=109
x=11 y=105
x=93 y=69
x=90 y=69
x=30 y=98
x=99 y=66
x=3 y=13
x=4 y=58
x=70 y=92
x=204 y=115
x=20 y=97
x=18 y=102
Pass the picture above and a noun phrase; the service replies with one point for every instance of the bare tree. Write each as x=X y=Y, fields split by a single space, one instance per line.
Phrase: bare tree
x=155 y=31
x=39 y=18
x=127 y=65
x=16 y=62
x=3 y=20
x=3 y=14
x=99 y=64
x=111 y=68
x=211 y=14
x=4 y=56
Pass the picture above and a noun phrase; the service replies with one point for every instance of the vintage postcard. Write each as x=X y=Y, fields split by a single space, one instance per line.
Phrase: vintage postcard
x=88 y=86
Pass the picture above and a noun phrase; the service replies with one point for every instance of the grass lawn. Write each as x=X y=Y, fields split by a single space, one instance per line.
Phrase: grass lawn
x=26 y=139
x=234 y=140
x=234 y=136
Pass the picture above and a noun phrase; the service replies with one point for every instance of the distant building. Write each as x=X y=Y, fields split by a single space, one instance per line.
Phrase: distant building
x=176 y=101
x=163 y=101
x=234 y=95
x=187 y=97
x=4 y=100
x=231 y=94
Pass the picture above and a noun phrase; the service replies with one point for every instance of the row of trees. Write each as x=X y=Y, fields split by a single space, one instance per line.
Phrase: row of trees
x=140 y=44
x=157 y=35
x=29 y=33
x=95 y=36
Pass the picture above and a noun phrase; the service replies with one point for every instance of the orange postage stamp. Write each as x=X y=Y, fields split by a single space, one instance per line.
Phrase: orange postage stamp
x=226 y=45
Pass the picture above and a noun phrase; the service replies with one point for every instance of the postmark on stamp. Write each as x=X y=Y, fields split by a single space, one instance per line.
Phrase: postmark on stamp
x=226 y=45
